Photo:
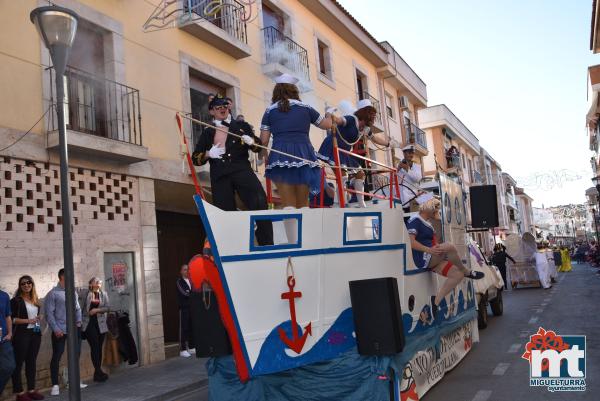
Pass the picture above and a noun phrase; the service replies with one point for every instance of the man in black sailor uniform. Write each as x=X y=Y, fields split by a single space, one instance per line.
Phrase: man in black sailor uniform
x=230 y=169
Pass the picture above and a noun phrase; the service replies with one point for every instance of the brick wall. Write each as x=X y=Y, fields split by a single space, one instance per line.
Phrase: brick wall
x=106 y=217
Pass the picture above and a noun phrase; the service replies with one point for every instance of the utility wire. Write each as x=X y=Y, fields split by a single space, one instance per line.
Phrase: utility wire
x=28 y=131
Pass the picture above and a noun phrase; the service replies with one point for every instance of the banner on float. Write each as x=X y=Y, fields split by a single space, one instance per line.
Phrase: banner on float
x=429 y=366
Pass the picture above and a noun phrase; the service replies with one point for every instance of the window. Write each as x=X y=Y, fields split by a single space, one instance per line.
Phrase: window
x=362 y=228
x=462 y=156
x=273 y=18
x=389 y=102
x=470 y=170
x=324 y=55
x=361 y=86
x=200 y=90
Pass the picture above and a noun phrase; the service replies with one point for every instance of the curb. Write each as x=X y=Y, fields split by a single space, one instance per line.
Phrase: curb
x=179 y=391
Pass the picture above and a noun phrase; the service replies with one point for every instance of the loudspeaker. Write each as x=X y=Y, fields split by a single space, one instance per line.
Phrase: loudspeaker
x=377 y=316
x=484 y=206
x=208 y=332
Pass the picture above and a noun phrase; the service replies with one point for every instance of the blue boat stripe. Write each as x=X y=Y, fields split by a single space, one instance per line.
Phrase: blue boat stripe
x=311 y=252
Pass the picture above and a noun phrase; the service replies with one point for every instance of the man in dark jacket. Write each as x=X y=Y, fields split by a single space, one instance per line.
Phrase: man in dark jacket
x=230 y=169
x=183 y=300
x=499 y=259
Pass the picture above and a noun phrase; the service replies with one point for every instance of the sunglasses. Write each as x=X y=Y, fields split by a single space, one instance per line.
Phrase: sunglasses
x=219 y=108
x=28 y=282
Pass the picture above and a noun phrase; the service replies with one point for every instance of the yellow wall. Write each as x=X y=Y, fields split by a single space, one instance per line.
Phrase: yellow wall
x=152 y=65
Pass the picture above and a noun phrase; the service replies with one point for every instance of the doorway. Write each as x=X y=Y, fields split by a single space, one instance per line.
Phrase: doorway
x=180 y=237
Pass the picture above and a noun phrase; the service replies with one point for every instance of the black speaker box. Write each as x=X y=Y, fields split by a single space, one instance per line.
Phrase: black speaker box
x=377 y=316
x=484 y=206
x=208 y=332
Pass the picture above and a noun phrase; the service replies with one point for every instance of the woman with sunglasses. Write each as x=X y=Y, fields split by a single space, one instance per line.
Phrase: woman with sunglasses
x=93 y=325
x=27 y=338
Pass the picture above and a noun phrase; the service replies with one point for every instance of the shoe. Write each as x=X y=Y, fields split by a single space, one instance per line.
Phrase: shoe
x=34 y=395
x=475 y=275
x=192 y=351
x=82 y=385
x=55 y=390
x=23 y=397
x=100 y=377
x=185 y=354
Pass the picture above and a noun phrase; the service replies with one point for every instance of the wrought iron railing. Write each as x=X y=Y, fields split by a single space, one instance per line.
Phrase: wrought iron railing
x=366 y=95
x=228 y=15
x=98 y=106
x=283 y=50
x=453 y=161
x=415 y=134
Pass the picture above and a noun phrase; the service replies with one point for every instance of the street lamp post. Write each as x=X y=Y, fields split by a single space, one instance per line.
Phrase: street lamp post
x=57 y=27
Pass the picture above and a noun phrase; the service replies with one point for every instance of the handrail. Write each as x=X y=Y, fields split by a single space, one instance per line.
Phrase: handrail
x=283 y=50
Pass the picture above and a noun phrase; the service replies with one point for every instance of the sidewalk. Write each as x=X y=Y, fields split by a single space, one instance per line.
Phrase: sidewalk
x=162 y=381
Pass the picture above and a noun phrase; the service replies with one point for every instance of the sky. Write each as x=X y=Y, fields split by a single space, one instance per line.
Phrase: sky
x=513 y=71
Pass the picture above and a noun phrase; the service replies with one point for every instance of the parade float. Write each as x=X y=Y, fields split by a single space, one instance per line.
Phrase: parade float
x=287 y=310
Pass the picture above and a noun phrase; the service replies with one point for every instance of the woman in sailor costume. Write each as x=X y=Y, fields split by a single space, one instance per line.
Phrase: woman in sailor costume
x=350 y=129
x=288 y=120
x=443 y=258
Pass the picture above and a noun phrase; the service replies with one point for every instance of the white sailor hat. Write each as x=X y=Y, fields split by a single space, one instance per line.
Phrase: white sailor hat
x=423 y=198
x=363 y=103
x=408 y=148
x=286 y=79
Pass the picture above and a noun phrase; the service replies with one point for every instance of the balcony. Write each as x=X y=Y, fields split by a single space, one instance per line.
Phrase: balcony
x=222 y=27
x=453 y=163
x=103 y=117
x=283 y=55
x=416 y=136
x=378 y=124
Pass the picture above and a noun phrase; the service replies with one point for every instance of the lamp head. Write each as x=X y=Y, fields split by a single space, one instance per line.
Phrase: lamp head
x=57 y=27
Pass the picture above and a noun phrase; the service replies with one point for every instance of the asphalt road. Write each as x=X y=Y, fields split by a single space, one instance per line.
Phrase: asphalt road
x=494 y=369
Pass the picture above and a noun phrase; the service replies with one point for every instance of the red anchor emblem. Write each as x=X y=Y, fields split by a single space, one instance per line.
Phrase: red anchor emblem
x=295 y=343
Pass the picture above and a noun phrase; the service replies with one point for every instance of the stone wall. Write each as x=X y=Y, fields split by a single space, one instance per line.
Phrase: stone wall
x=107 y=217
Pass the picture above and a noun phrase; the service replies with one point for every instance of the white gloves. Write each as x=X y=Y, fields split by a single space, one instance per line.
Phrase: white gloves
x=216 y=152
x=248 y=140
x=393 y=143
x=330 y=110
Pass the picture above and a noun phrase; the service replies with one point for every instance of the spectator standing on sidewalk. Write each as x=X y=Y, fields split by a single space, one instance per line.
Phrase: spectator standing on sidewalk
x=184 y=287
x=56 y=316
x=95 y=309
x=499 y=259
x=27 y=337
x=7 y=358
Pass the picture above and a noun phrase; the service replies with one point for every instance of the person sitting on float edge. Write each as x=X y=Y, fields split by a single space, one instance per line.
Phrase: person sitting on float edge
x=230 y=169
x=350 y=129
x=443 y=258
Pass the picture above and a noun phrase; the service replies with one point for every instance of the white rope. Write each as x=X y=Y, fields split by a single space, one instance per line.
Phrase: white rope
x=317 y=163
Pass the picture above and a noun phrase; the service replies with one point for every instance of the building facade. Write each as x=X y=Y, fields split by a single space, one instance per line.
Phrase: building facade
x=133 y=218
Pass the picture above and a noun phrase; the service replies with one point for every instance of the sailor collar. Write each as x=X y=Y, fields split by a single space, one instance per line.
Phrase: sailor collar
x=292 y=102
x=428 y=224
x=218 y=123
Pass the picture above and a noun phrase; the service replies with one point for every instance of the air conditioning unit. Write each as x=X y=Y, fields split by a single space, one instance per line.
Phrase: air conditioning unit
x=403 y=100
